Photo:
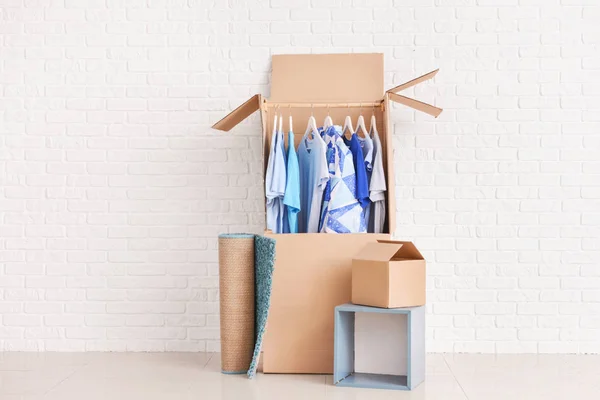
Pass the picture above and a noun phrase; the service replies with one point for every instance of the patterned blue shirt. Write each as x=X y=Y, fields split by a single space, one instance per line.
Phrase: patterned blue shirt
x=341 y=212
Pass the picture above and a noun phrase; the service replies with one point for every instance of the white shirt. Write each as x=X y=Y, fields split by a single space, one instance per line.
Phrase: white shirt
x=377 y=188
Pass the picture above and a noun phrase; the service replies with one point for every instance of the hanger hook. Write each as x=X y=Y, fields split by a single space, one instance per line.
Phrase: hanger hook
x=312 y=110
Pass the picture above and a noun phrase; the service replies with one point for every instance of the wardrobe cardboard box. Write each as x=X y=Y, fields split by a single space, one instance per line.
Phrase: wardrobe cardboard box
x=313 y=271
x=388 y=274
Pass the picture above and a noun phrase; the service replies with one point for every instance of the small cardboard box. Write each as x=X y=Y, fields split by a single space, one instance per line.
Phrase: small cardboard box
x=313 y=270
x=388 y=274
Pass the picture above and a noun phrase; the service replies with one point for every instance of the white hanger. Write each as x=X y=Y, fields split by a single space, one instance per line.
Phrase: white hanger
x=360 y=125
x=280 y=130
x=290 y=121
x=348 y=128
x=312 y=126
x=328 y=121
x=280 y=123
x=274 y=134
x=373 y=129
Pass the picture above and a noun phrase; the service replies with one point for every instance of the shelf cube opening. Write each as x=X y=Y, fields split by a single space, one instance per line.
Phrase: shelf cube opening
x=378 y=347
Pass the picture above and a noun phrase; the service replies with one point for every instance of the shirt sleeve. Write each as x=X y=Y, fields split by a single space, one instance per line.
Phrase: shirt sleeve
x=279 y=176
x=291 y=197
x=362 y=184
x=377 y=185
x=323 y=168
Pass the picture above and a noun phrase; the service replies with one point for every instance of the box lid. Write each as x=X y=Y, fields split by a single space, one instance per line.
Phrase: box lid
x=329 y=78
x=322 y=78
x=414 y=82
x=412 y=103
x=387 y=250
x=239 y=114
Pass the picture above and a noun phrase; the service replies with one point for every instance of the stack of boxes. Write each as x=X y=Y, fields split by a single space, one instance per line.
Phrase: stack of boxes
x=379 y=338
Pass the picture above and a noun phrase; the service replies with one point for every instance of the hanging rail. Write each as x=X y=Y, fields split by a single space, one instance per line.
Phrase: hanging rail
x=367 y=104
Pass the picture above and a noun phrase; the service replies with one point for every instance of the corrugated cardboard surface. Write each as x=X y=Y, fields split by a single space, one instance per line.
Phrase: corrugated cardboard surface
x=312 y=276
x=390 y=171
x=416 y=104
x=313 y=272
x=299 y=336
x=239 y=114
x=329 y=78
x=414 y=82
x=397 y=282
x=314 y=78
x=407 y=283
x=377 y=251
x=370 y=282
x=404 y=249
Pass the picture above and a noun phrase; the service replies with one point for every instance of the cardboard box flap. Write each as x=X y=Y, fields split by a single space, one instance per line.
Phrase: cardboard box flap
x=378 y=251
x=388 y=250
x=412 y=103
x=416 y=104
x=405 y=249
x=324 y=78
x=414 y=82
x=239 y=114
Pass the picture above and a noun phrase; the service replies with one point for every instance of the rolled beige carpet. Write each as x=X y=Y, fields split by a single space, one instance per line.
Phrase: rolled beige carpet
x=236 y=295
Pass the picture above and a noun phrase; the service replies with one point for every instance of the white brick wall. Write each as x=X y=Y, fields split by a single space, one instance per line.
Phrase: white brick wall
x=113 y=188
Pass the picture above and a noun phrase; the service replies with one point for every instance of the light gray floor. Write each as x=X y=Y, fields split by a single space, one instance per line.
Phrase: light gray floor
x=148 y=376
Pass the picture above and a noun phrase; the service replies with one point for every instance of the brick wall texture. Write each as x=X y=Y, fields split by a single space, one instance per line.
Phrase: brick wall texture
x=113 y=188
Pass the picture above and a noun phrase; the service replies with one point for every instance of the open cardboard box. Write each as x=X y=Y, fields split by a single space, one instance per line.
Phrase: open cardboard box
x=313 y=271
x=388 y=274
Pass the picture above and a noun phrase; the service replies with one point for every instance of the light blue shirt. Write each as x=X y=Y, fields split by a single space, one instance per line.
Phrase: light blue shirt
x=291 y=199
x=314 y=175
x=275 y=180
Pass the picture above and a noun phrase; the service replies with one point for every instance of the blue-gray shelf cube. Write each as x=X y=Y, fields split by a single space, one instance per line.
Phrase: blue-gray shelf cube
x=344 y=354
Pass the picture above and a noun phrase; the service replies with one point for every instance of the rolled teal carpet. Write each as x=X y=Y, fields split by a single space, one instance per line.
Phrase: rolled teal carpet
x=264 y=262
x=246 y=264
